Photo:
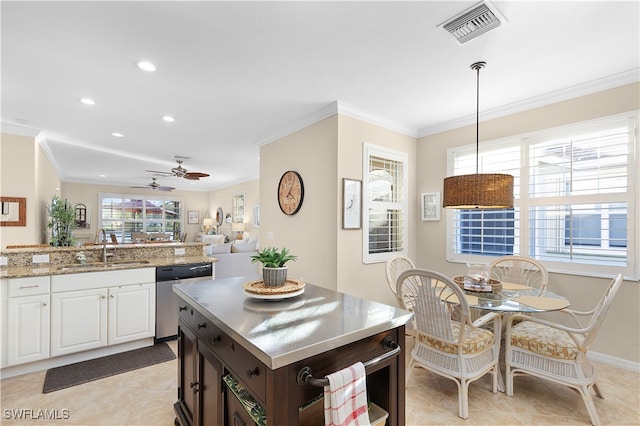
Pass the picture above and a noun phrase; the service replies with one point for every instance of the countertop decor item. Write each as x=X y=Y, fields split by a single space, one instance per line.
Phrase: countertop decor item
x=274 y=271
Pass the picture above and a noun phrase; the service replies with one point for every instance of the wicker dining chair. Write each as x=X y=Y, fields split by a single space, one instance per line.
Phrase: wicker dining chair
x=460 y=350
x=394 y=267
x=520 y=270
x=557 y=352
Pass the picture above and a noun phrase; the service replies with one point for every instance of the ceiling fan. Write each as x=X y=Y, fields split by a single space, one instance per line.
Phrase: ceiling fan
x=181 y=172
x=155 y=186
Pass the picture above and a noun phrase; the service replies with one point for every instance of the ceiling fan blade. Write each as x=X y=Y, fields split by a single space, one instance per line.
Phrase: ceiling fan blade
x=139 y=187
x=165 y=188
x=195 y=175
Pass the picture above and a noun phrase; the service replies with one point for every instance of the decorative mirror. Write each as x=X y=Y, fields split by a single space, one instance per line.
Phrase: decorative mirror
x=14 y=211
x=219 y=216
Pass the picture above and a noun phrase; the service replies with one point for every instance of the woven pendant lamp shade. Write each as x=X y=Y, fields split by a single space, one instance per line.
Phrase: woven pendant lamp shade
x=478 y=191
x=481 y=190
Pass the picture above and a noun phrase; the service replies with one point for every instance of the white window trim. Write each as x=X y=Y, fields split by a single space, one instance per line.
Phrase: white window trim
x=632 y=271
x=395 y=155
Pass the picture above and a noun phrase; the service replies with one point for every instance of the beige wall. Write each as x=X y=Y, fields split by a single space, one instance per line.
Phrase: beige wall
x=325 y=153
x=354 y=277
x=311 y=233
x=620 y=335
x=223 y=198
x=26 y=172
x=87 y=194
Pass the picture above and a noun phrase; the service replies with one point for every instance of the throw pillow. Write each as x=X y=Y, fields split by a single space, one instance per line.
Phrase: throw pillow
x=241 y=247
x=221 y=249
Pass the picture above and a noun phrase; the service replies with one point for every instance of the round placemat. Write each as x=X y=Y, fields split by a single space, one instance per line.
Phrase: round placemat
x=258 y=287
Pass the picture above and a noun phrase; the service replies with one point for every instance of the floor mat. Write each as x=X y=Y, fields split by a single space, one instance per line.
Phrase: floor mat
x=94 y=369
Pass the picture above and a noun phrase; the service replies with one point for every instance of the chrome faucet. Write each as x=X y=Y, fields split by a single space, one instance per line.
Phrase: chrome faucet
x=104 y=243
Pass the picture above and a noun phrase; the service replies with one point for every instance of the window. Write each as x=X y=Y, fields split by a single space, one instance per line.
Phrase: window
x=574 y=203
x=385 y=203
x=125 y=214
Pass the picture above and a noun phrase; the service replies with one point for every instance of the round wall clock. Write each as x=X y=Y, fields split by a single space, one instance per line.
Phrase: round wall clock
x=290 y=192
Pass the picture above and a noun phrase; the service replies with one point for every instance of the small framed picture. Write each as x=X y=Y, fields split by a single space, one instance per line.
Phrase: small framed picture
x=351 y=204
x=193 y=217
x=431 y=206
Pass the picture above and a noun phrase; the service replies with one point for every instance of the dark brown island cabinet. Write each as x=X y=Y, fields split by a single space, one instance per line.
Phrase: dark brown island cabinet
x=245 y=361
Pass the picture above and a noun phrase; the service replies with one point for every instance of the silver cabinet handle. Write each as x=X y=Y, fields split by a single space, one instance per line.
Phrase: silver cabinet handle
x=103 y=296
x=29 y=286
x=44 y=303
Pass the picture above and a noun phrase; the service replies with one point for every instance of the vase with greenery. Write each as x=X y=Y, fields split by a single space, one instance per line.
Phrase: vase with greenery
x=274 y=271
x=62 y=220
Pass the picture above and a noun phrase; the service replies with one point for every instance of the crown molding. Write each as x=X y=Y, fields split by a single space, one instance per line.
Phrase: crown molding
x=354 y=112
x=19 y=129
x=594 y=86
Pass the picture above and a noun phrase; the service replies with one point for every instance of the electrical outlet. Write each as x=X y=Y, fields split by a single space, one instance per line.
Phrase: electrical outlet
x=40 y=258
x=4 y=260
x=179 y=252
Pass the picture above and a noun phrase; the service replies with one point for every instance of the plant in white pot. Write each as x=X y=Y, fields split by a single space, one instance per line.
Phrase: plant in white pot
x=274 y=271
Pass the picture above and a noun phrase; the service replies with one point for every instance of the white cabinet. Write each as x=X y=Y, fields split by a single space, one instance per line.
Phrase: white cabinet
x=131 y=313
x=28 y=309
x=78 y=321
x=113 y=307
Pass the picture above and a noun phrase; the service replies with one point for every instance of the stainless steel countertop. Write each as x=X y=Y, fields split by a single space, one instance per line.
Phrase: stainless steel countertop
x=282 y=332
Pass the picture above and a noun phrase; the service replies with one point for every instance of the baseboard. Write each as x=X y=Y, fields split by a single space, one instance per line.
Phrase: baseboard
x=615 y=362
x=48 y=363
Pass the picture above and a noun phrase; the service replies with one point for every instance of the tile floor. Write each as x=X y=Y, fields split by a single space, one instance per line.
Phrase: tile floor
x=146 y=397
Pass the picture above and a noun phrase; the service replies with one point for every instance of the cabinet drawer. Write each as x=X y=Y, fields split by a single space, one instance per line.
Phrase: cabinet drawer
x=28 y=286
x=245 y=367
x=201 y=326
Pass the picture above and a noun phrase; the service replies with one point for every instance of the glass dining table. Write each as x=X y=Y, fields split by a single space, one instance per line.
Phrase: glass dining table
x=514 y=298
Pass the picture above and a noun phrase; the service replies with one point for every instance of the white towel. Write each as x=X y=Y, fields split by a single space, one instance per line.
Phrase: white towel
x=345 y=399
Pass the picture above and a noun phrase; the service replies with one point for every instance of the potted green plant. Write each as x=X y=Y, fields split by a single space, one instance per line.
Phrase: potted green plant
x=62 y=221
x=274 y=271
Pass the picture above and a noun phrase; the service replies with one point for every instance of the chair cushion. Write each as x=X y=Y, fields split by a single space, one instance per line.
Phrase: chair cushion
x=477 y=340
x=544 y=340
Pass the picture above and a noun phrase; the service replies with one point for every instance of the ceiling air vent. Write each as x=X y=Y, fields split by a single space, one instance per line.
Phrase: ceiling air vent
x=473 y=22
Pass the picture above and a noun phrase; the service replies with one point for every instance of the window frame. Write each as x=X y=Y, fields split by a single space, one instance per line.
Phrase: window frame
x=523 y=203
x=144 y=221
x=370 y=150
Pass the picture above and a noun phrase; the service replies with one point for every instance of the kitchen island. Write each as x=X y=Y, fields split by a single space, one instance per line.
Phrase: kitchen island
x=275 y=349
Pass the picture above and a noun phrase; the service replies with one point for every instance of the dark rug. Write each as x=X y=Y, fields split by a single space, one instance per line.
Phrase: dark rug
x=94 y=369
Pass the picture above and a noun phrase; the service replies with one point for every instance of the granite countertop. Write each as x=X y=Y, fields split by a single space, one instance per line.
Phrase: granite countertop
x=41 y=269
x=281 y=332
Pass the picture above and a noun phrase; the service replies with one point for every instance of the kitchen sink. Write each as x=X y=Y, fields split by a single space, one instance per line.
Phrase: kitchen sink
x=94 y=265
x=125 y=263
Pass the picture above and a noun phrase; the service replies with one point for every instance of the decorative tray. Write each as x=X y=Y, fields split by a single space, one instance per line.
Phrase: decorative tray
x=258 y=290
x=489 y=286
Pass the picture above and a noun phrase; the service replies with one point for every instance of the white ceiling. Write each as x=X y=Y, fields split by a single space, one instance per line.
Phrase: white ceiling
x=236 y=75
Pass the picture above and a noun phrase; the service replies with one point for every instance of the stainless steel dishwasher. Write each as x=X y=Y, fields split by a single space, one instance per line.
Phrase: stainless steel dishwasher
x=167 y=300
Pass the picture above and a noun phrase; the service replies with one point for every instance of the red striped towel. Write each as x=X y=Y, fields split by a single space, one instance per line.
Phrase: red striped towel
x=345 y=399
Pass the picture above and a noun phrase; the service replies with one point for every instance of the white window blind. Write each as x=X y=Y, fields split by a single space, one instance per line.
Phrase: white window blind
x=385 y=204
x=574 y=199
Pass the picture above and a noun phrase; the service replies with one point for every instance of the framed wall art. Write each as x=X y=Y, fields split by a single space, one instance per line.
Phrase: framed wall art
x=431 y=206
x=193 y=216
x=351 y=204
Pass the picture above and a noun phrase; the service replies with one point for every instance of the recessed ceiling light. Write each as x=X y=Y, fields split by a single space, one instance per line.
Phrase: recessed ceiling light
x=117 y=135
x=146 y=66
x=87 y=101
x=103 y=176
x=168 y=119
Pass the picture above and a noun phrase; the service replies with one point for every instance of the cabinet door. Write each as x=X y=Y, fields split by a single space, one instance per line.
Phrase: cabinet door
x=210 y=391
x=131 y=313
x=78 y=321
x=187 y=382
x=28 y=329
